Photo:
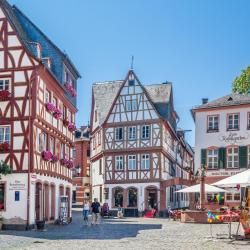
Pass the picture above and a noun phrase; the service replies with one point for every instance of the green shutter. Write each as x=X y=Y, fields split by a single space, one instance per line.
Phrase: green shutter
x=243 y=156
x=203 y=157
x=222 y=158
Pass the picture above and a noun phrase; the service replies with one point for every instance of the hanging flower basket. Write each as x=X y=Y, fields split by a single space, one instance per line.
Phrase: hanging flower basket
x=69 y=87
x=57 y=113
x=71 y=127
x=70 y=164
x=4 y=95
x=4 y=147
x=47 y=155
x=50 y=107
x=54 y=158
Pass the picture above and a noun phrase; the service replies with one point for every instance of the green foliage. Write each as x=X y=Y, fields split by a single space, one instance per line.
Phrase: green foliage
x=5 y=169
x=241 y=84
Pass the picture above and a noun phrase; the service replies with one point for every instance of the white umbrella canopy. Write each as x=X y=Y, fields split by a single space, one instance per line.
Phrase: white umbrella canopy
x=196 y=189
x=242 y=179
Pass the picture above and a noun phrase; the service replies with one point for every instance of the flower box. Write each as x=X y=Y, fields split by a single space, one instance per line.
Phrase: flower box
x=57 y=113
x=4 y=147
x=4 y=95
x=50 y=107
x=54 y=158
x=69 y=87
x=71 y=127
x=47 y=155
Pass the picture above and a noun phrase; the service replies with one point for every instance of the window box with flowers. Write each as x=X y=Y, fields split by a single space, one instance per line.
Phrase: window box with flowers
x=4 y=147
x=67 y=163
x=54 y=158
x=50 y=107
x=47 y=155
x=4 y=95
x=57 y=113
x=71 y=127
x=69 y=87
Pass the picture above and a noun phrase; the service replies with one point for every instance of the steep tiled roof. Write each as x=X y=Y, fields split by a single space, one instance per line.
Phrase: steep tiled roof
x=29 y=33
x=228 y=100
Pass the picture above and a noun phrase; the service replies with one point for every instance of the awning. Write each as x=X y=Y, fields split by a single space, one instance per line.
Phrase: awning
x=196 y=189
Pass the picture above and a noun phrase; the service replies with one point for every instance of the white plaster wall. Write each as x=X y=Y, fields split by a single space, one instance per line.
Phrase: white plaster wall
x=205 y=140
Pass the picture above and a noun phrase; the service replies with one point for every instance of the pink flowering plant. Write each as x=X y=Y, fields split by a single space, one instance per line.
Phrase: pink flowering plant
x=70 y=164
x=47 y=155
x=71 y=127
x=54 y=158
x=57 y=113
x=69 y=87
x=64 y=161
x=50 y=107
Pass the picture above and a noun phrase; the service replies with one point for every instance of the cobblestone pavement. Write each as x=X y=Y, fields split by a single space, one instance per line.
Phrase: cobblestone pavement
x=129 y=233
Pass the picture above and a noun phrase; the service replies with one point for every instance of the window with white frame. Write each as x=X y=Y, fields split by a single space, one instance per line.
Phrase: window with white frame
x=145 y=132
x=4 y=84
x=47 y=96
x=213 y=123
x=131 y=104
x=132 y=133
x=118 y=134
x=233 y=157
x=232 y=197
x=4 y=134
x=233 y=122
x=145 y=162
x=52 y=144
x=132 y=162
x=119 y=162
x=42 y=142
x=62 y=151
x=212 y=158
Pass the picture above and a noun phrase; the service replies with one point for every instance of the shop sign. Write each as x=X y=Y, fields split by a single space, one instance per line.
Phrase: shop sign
x=222 y=173
x=17 y=185
x=234 y=138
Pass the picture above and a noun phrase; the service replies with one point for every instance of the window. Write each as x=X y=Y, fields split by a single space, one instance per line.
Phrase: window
x=62 y=151
x=212 y=158
x=145 y=132
x=52 y=145
x=4 y=134
x=74 y=153
x=233 y=157
x=106 y=193
x=131 y=133
x=64 y=112
x=131 y=105
x=119 y=162
x=54 y=101
x=95 y=115
x=131 y=82
x=67 y=152
x=233 y=196
x=2 y=196
x=47 y=96
x=99 y=138
x=42 y=142
x=100 y=166
x=132 y=197
x=118 y=134
x=145 y=162
x=4 y=84
x=132 y=162
x=118 y=197
x=213 y=123
x=233 y=122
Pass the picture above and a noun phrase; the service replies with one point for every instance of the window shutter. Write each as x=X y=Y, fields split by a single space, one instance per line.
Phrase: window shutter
x=203 y=157
x=243 y=156
x=222 y=158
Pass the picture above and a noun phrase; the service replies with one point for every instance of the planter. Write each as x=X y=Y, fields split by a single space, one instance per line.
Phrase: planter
x=40 y=224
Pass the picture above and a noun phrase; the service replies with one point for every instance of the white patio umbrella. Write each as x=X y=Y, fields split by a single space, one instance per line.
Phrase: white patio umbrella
x=242 y=179
x=196 y=189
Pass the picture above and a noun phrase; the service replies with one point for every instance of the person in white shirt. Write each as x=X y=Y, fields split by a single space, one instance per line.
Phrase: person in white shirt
x=85 y=211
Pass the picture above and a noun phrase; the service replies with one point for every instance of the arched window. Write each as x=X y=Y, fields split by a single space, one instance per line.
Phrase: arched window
x=132 y=197
x=118 y=196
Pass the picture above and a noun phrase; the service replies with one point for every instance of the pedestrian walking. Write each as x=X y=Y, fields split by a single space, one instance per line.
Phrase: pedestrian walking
x=86 y=207
x=119 y=212
x=95 y=210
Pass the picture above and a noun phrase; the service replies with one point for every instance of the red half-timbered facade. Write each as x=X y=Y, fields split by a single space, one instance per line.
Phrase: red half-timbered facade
x=138 y=157
x=37 y=116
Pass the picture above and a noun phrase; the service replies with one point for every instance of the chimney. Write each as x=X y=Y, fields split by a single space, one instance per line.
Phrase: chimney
x=204 y=100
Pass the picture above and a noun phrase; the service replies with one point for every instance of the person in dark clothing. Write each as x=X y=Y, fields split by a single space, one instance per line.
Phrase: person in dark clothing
x=95 y=209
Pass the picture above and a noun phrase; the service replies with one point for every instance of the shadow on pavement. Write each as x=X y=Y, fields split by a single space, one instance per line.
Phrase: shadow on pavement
x=108 y=229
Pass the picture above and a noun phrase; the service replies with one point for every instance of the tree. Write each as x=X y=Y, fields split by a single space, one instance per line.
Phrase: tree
x=241 y=84
x=4 y=169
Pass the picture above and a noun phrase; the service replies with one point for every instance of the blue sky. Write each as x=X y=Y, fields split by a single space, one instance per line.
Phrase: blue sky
x=200 y=46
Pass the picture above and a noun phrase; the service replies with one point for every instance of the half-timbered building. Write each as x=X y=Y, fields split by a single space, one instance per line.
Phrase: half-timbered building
x=138 y=157
x=37 y=116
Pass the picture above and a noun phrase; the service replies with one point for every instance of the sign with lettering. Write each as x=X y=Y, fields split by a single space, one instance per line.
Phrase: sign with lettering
x=221 y=173
x=234 y=137
x=17 y=185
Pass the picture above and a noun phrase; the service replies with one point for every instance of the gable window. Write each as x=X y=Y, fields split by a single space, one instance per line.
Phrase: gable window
x=119 y=162
x=212 y=158
x=233 y=157
x=4 y=84
x=131 y=105
x=145 y=162
x=131 y=82
x=132 y=133
x=213 y=123
x=131 y=162
x=118 y=134
x=145 y=133
x=2 y=196
x=233 y=122
x=4 y=134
